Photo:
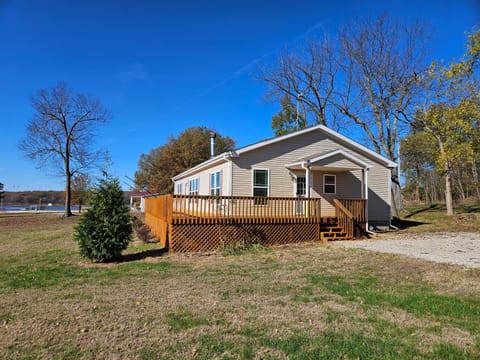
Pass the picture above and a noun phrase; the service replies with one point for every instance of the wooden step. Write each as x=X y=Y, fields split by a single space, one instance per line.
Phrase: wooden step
x=330 y=229
x=333 y=233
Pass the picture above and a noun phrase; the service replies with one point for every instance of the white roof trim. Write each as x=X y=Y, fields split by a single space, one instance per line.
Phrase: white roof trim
x=350 y=157
x=210 y=162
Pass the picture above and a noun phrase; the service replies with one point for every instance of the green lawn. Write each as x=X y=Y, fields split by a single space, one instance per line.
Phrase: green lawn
x=314 y=301
x=433 y=218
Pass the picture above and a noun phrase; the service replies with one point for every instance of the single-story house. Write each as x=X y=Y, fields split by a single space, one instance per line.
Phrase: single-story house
x=315 y=162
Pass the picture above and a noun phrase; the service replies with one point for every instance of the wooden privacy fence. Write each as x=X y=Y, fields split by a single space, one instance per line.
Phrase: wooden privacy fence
x=204 y=223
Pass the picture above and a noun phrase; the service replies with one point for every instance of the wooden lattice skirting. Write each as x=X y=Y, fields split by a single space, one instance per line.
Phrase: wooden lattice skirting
x=211 y=237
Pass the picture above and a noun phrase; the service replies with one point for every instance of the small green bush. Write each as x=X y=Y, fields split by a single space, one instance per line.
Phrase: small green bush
x=105 y=230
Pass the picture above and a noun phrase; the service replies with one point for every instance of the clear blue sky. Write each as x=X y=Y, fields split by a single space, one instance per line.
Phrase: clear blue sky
x=163 y=66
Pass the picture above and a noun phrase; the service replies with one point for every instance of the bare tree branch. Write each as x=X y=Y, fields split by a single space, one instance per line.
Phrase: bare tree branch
x=61 y=132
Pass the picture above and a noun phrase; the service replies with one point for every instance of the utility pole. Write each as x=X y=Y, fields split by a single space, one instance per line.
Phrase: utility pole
x=1 y=195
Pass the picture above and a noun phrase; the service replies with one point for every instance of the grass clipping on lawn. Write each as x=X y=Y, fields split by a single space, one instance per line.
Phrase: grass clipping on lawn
x=296 y=302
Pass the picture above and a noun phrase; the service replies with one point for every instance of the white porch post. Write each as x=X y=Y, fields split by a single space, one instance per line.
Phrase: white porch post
x=365 y=183
x=307 y=180
x=365 y=193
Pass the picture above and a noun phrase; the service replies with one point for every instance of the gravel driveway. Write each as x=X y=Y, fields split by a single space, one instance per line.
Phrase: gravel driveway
x=453 y=248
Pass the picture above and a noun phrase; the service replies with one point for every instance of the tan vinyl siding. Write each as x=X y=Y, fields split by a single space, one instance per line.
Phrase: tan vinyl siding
x=349 y=184
x=379 y=194
x=337 y=161
x=204 y=180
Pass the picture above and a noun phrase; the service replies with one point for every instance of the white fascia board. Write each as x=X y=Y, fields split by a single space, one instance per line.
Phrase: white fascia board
x=295 y=164
x=207 y=163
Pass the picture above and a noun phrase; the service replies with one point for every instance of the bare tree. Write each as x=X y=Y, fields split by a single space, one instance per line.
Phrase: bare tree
x=61 y=133
x=382 y=60
x=307 y=76
x=371 y=81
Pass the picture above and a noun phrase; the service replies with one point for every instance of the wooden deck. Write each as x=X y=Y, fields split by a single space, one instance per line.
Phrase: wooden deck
x=203 y=223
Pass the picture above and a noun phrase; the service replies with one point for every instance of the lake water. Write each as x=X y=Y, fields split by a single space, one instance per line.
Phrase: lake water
x=37 y=208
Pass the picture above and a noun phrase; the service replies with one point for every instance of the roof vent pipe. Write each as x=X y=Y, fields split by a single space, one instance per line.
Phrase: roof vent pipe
x=212 y=143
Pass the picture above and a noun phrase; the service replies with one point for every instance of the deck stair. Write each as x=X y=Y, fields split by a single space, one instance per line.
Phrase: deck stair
x=330 y=230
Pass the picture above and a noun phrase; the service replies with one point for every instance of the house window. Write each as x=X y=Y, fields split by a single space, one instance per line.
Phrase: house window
x=215 y=183
x=260 y=185
x=179 y=188
x=193 y=188
x=301 y=186
x=329 y=184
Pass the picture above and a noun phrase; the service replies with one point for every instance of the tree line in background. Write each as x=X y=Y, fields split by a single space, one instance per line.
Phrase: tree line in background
x=441 y=154
x=189 y=148
x=373 y=77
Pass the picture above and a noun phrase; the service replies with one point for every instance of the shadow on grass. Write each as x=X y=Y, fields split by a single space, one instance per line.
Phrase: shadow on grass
x=142 y=255
x=403 y=224
x=426 y=208
x=472 y=209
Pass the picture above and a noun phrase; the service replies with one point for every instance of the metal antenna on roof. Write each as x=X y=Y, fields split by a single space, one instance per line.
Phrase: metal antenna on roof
x=299 y=99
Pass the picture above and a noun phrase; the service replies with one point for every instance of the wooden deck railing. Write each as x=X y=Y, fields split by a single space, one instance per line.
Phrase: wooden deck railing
x=186 y=209
x=244 y=209
x=345 y=218
x=357 y=208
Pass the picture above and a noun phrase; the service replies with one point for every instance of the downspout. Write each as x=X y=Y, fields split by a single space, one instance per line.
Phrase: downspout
x=306 y=167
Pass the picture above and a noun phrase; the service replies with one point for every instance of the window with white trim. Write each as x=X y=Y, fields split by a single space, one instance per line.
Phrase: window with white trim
x=193 y=188
x=260 y=185
x=329 y=184
x=301 y=186
x=179 y=188
x=215 y=183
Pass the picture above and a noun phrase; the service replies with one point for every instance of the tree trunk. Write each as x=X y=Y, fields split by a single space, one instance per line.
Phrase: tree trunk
x=448 y=191
x=475 y=180
x=68 y=190
x=461 y=190
x=396 y=194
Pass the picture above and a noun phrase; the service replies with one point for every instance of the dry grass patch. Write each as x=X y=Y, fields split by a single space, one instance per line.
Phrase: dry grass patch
x=298 y=302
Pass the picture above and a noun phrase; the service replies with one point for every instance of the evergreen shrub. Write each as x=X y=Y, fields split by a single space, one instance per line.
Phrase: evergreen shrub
x=105 y=229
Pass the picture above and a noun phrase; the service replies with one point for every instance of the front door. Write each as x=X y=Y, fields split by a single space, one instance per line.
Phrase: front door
x=300 y=192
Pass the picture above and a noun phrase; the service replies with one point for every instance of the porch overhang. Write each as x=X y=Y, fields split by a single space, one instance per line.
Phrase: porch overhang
x=334 y=161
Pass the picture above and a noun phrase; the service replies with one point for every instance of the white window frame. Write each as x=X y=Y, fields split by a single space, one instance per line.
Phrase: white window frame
x=215 y=186
x=193 y=186
x=179 y=188
x=304 y=188
x=334 y=184
x=267 y=187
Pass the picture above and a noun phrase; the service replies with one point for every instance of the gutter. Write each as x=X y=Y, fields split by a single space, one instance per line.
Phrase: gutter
x=226 y=156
